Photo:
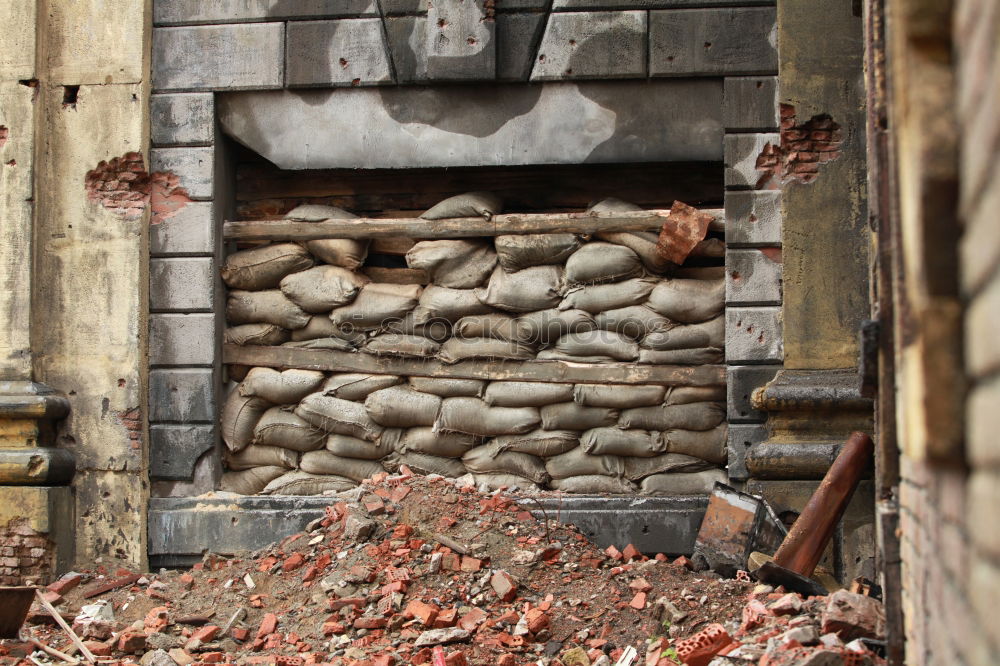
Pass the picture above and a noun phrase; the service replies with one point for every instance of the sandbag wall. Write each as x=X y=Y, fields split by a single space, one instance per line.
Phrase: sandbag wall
x=557 y=297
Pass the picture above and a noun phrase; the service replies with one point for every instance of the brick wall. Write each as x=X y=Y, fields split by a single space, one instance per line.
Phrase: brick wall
x=25 y=555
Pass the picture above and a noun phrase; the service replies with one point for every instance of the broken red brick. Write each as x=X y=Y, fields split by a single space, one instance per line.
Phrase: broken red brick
x=268 y=625
x=613 y=553
x=370 y=623
x=212 y=657
x=293 y=562
x=239 y=634
x=156 y=619
x=205 y=634
x=472 y=619
x=698 y=650
x=131 y=641
x=65 y=584
x=451 y=562
x=98 y=648
x=504 y=585
x=640 y=585
x=446 y=618
x=537 y=620
x=471 y=564
x=684 y=562
x=630 y=553
x=638 y=601
x=337 y=604
x=424 y=612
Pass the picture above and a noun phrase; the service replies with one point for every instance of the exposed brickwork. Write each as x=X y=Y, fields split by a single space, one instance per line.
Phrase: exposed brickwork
x=25 y=555
x=4 y=133
x=123 y=185
x=131 y=419
x=804 y=147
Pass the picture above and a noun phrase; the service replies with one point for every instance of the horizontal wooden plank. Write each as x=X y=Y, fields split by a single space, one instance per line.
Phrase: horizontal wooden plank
x=525 y=371
x=396 y=275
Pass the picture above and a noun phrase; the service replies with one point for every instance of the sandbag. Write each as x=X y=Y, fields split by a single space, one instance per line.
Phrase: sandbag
x=239 y=416
x=577 y=462
x=688 y=301
x=437 y=330
x=711 y=333
x=255 y=334
x=683 y=395
x=526 y=394
x=571 y=416
x=356 y=385
x=236 y=373
x=535 y=288
x=618 y=442
x=683 y=483
x=547 y=326
x=322 y=288
x=491 y=482
x=346 y=446
x=693 y=416
x=708 y=445
x=613 y=205
x=618 y=396
x=700 y=356
x=335 y=415
x=347 y=252
x=640 y=468
x=324 y=462
x=520 y=251
x=448 y=388
x=249 y=481
x=425 y=440
x=541 y=443
x=463 y=349
x=643 y=243
x=281 y=387
x=602 y=262
x=396 y=344
x=304 y=483
x=267 y=307
x=264 y=267
x=602 y=297
x=598 y=343
x=376 y=304
x=336 y=344
x=279 y=426
x=474 y=417
x=262 y=456
x=457 y=264
x=422 y=463
x=554 y=355
x=470 y=204
x=486 y=460
x=402 y=407
x=635 y=321
x=593 y=484
x=442 y=303
x=493 y=325
x=320 y=326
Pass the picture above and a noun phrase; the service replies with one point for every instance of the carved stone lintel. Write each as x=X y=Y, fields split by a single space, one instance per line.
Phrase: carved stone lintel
x=28 y=411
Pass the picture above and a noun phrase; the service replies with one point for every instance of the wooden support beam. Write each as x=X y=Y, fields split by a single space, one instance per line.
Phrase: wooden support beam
x=523 y=371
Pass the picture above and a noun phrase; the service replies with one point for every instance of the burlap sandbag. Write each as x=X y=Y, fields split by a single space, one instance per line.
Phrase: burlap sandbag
x=683 y=395
x=376 y=304
x=555 y=355
x=264 y=267
x=304 y=483
x=320 y=326
x=603 y=297
x=425 y=440
x=346 y=446
x=335 y=415
x=711 y=333
x=618 y=442
x=250 y=481
x=594 y=484
x=442 y=303
x=535 y=288
x=598 y=343
x=571 y=416
x=470 y=204
x=700 y=356
x=356 y=385
x=618 y=396
x=402 y=407
x=688 y=301
x=682 y=483
x=281 y=387
x=602 y=262
x=577 y=462
x=335 y=344
x=322 y=288
x=449 y=388
x=239 y=416
x=487 y=460
x=279 y=426
x=491 y=482
x=347 y=252
x=397 y=344
x=492 y=325
x=422 y=463
x=546 y=326
x=541 y=443
x=643 y=243
x=708 y=445
x=693 y=416
x=520 y=251
x=526 y=394
x=437 y=330
x=640 y=468
x=635 y=321
x=464 y=349
x=267 y=307
x=457 y=264
x=474 y=417
x=255 y=334
x=324 y=462
x=256 y=455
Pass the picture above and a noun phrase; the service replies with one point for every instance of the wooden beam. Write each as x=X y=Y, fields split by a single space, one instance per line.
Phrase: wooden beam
x=525 y=371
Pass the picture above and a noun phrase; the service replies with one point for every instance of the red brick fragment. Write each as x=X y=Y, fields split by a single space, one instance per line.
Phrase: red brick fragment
x=684 y=562
x=268 y=625
x=471 y=564
x=65 y=584
x=131 y=641
x=98 y=648
x=630 y=553
x=187 y=581
x=537 y=620
x=698 y=650
x=370 y=623
x=472 y=619
x=638 y=601
x=293 y=562
x=613 y=553
x=212 y=657
x=424 y=612
x=239 y=634
x=504 y=586
x=446 y=618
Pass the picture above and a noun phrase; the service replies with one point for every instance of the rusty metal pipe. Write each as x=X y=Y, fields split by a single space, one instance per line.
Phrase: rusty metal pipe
x=807 y=539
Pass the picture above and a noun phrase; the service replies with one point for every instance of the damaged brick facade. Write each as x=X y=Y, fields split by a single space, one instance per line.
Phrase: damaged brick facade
x=25 y=555
x=123 y=185
x=803 y=149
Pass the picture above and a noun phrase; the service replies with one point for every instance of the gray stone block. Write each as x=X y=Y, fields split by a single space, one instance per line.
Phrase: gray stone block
x=741 y=152
x=344 y=52
x=194 y=167
x=182 y=119
x=460 y=41
x=398 y=7
x=513 y=5
x=174 y=449
x=702 y=42
x=753 y=277
x=407 y=47
x=182 y=395
x=741 y=382
x=181 y=283
x=592 y=45
x=647 y=4
x=191 y=230
x=518 y=36
x=182 y=339
x=179 y=12
x=219 y=57
x=754 y=335
x=741 y=438
x=750 y=103
x=753 y=218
